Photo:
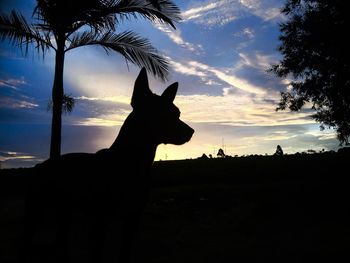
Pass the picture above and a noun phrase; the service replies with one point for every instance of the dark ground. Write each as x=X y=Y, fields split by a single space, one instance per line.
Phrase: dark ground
x=254 y=209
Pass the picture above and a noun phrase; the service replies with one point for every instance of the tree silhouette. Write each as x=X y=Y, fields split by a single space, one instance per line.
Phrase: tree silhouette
x=221 y=153
x=63 y=25
x=316 y=54
x=279 y=150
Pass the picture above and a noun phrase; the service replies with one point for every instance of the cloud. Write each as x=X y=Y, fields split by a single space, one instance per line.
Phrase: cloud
x=177 y=38
x=238 y=83
x=207 y=72
x=201 y=10
x=256 y=65
x=114 y=99
x=12 y=103
x=248 y=32
x=101 y=111
x=322 y=135
x=240 y=110
x=257 y=60
x=211 y=82
x=244 y=37
x=262 y=9
x=7 y=155
x=186 y=69
x=211 y=13
x=218 y=13
x=104 y=122
x=12 y=83
x=12 y=97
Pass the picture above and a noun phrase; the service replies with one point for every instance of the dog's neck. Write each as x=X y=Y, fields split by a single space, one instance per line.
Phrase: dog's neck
x=135 y=140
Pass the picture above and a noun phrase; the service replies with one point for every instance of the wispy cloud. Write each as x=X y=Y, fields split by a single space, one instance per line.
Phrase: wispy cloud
x=239 y=83
x=202 y=70
x=12 y=103
x=11 y=159
x=248 y=32
x=177 y=38
x=12 y=83
x=103 y=111
x=211 y=13
x=322 y=135
x=199 y=11
x=105 y=122
x=257 y=60
x=263 y=9
x=186 y=68
x=219 y=13
x=117 y=99
x=242 y=110
x=14 y=99
x=245 y=37
x=8 y=155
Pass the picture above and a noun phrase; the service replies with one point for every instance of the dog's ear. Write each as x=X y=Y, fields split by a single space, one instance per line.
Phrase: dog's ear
x=141 y=89
x=170 y=92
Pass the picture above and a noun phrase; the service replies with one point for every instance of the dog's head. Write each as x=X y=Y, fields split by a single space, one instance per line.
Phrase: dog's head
x=160 y=115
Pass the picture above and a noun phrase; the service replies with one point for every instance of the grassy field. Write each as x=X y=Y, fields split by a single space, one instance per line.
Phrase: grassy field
x=292 y=208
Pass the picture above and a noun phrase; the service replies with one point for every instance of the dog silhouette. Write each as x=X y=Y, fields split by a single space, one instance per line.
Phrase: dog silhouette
x=106 y=190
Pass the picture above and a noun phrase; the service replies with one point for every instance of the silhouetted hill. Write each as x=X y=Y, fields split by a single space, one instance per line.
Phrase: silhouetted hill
x=253 y=169
x=290 y=208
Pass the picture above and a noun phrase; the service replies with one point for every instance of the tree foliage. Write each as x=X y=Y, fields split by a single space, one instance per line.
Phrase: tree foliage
x=316 y=54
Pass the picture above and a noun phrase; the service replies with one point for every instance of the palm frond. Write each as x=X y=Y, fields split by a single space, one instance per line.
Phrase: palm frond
x=132 y=47
x=101 y=15
x=164 y=11
x=15 y=28
x=68 y=103
x=68 y=16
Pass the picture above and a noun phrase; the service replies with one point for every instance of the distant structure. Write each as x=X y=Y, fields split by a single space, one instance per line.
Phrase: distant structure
x=279 y=151
x=221 y=153
x=204 y=156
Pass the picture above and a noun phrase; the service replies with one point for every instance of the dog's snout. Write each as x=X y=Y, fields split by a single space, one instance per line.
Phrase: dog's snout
x=180 y=134
x=189 y=132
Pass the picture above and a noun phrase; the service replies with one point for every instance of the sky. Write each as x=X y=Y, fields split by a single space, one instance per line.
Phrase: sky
x=220 y=54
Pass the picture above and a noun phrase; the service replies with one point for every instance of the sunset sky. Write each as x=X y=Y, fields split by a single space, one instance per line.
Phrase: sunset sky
x=219 y=54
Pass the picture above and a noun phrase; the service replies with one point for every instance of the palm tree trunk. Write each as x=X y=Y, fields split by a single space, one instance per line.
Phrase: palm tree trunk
x=57 y=98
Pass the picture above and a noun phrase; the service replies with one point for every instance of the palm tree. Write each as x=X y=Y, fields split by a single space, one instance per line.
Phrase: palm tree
x=64 y=25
